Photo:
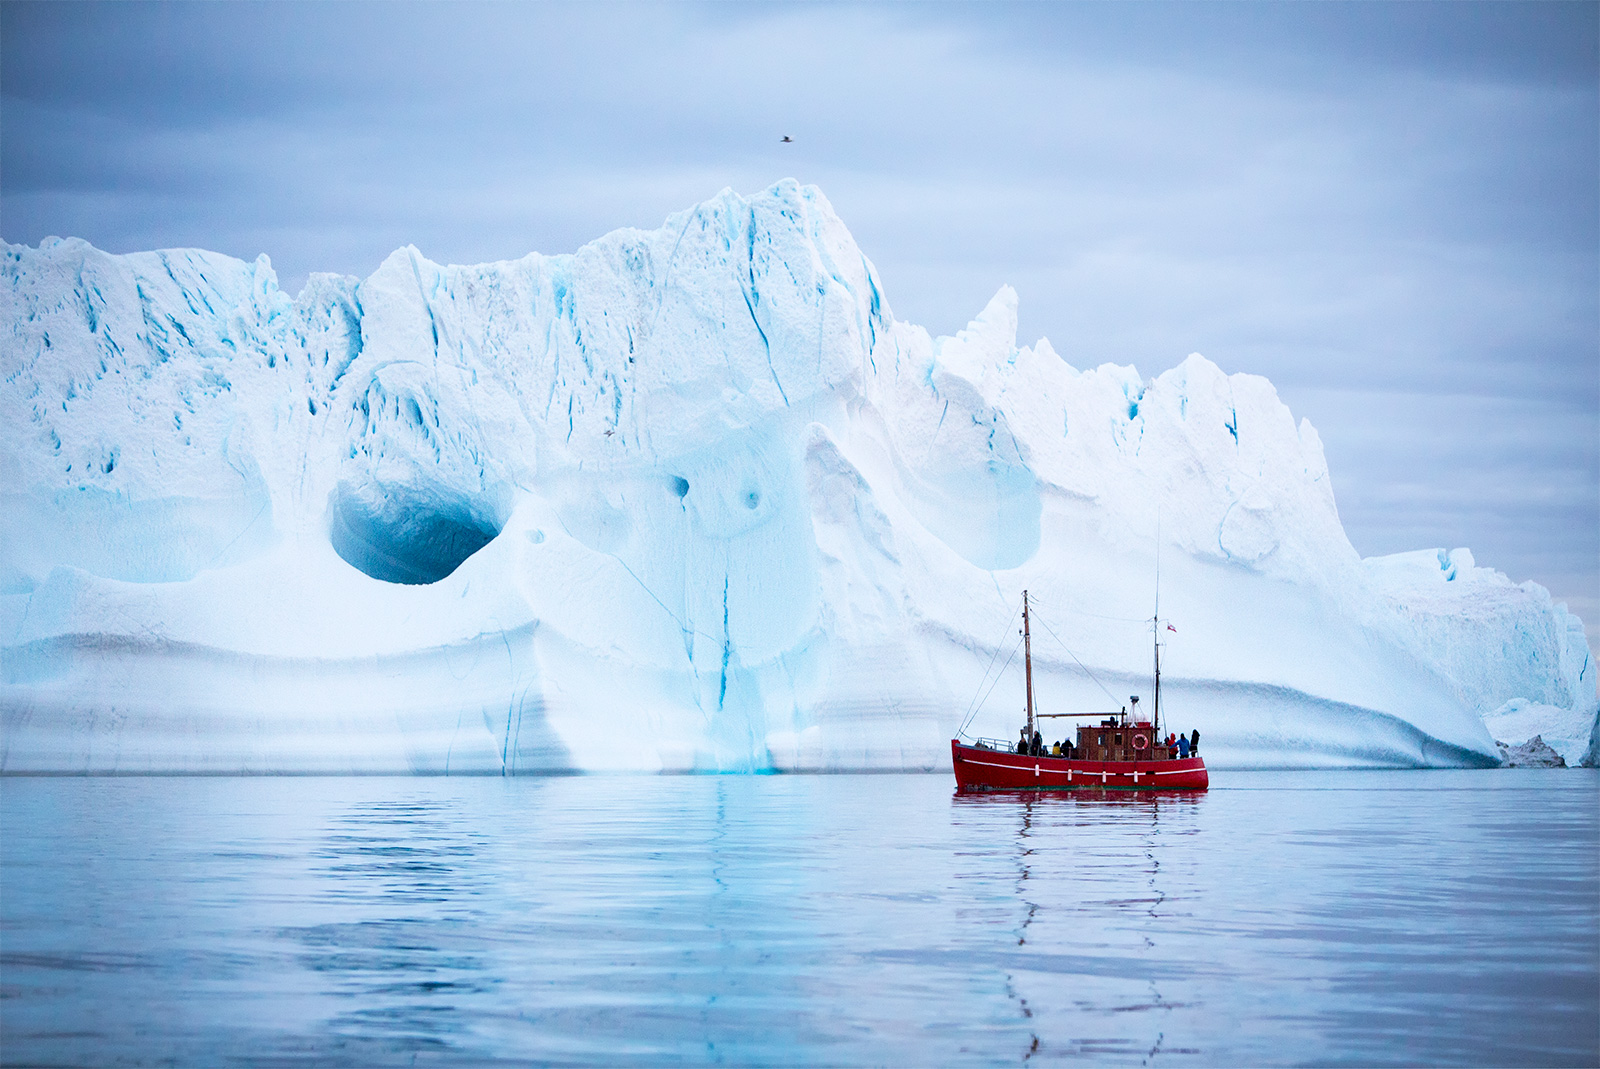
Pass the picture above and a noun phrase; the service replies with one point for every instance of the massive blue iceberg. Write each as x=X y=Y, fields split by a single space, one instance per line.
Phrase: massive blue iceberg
x=686 y=499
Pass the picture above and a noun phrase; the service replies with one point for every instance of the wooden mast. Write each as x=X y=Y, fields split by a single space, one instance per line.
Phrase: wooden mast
x=1155 y=637
x=1027 y=662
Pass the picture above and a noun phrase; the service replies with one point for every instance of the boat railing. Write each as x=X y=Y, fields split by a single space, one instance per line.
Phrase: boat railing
x=992 y=744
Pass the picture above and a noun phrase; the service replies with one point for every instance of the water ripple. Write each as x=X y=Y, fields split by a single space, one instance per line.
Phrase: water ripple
x=1371 y=918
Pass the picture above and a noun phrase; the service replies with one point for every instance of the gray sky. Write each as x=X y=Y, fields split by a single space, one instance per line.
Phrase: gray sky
x=1391 y=210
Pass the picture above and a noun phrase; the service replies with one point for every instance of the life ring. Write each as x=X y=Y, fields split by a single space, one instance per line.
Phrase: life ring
x=1140 y=742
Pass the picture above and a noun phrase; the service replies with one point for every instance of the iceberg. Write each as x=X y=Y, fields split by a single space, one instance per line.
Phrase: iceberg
x=689 y=499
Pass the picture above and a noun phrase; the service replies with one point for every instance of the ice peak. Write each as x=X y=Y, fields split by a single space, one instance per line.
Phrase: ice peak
x=998 y=320
x=988 y=341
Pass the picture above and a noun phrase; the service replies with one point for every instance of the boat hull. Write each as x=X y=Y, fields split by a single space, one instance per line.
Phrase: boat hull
x=982 y=769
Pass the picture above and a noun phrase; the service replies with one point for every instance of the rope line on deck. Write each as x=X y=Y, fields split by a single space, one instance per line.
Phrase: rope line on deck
x=973 y=706
x=997 y=678
x=1074 y=656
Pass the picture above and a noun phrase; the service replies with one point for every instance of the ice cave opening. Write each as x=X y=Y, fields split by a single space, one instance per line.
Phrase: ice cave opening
x=414 y=535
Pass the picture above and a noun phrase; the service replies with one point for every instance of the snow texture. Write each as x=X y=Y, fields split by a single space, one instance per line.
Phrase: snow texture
x=686 y=499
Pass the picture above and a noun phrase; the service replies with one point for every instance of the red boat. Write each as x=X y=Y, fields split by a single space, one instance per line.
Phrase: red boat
x=1121 y=751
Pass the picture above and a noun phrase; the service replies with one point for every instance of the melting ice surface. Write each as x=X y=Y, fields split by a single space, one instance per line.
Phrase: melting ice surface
x=1440 y=917
x=689 y=498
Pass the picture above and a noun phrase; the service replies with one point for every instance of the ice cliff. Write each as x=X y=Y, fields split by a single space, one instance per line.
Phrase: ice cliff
x=689 y=498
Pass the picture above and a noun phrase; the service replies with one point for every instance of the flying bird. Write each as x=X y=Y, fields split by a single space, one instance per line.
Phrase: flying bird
x=787 y=140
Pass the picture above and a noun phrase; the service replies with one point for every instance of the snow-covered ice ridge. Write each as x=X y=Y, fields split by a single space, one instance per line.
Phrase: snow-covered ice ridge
x=686 y=499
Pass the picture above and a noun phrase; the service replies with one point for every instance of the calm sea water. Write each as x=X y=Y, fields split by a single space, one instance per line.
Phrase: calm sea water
x=1322 y=918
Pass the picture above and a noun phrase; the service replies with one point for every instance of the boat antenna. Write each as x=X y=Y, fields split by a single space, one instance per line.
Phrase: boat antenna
x=1156 y=718
x=1027 y=662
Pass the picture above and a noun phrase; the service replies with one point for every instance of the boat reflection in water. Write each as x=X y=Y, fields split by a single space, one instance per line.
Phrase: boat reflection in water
x=1120 y=752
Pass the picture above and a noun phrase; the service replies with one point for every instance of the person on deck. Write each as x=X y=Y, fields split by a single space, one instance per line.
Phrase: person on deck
x=1022 y=741
x=1183 y=746
x=1194 y=743
x=1038 y=744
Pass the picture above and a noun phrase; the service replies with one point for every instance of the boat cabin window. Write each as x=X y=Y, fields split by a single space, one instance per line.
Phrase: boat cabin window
x=1119 y=738
x=1102 y=740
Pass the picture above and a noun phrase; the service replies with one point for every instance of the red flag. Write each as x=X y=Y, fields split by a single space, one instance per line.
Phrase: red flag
x=1174 y=630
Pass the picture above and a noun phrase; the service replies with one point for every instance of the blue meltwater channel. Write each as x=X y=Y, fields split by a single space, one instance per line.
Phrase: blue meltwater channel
x=1369 y=918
